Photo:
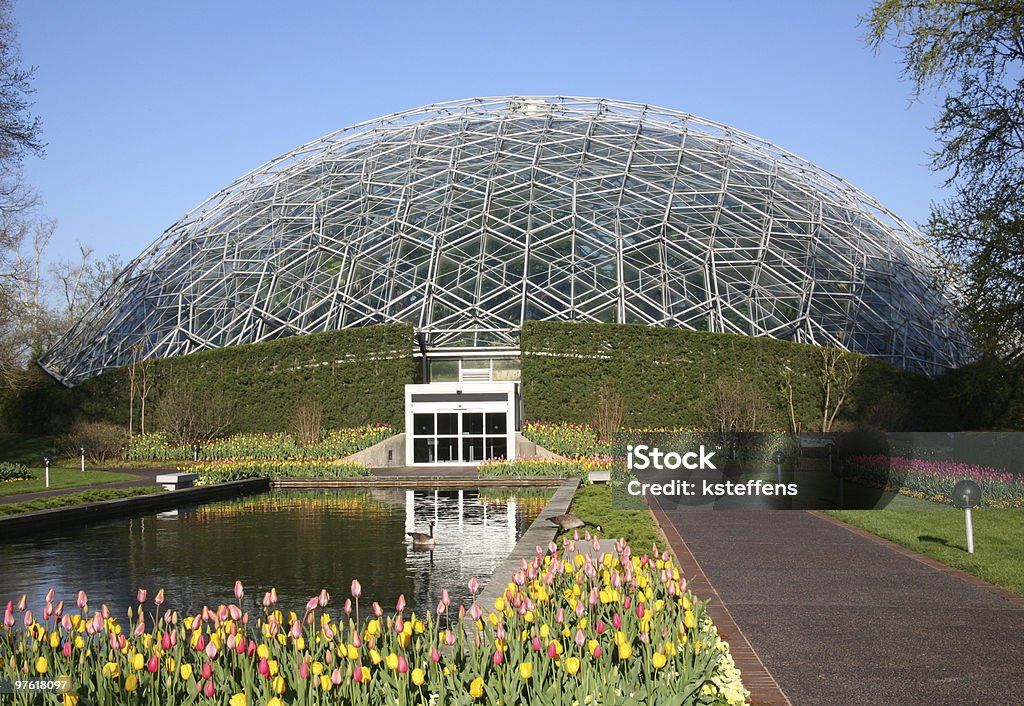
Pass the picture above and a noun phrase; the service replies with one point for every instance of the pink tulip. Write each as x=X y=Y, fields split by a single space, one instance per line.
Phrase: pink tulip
x=536 y=644
x=296 y=630
x=324 y=598
x=357 y=673
x=23 y=601
x=474 y=585
x=403 y=664
x=235 y=612
x=348 y=606
x=357 y=590
x=304 y=670
x=475 y=612
x=441 y=607
x=105 y=611
x=400 y=606
x=140 y=628
x=263 y=667
x=165 y=641
x=66 y=649
x=211 y=650
x=445 y=598
x=627 y=603
x=201 y=643
x=435 y=656
x=498 y=657
x=154 y=664
x=552 y=650
x=141 y=595
x=580 y=638
x=640 y=610
x=250 y=649
x=159 y=600
x=266 y=599
x=273 y=596
x=377 y=610
x=312 y=603
x=28 y=618
x=616 y=621
x=580 y=609
x=355 y=639
x=600 y=627
x=597 y=651
x=399 y=623
x=9 y=615
x=336 y=675
x=560 y=616
x=239 y=591
x=65 y=622
x=449 y=638
x=49 y=595
x=207 y=670
x=208 y=689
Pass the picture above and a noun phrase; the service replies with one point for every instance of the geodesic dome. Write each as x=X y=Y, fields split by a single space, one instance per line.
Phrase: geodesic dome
x=468 y=218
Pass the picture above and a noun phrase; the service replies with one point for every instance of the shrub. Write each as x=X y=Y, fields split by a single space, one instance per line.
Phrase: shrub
x=101 y=441
x=14 y=471
x=307 y=421
x=188 y=416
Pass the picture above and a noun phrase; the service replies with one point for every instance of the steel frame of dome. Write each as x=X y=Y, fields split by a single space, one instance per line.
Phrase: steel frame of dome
x=468 y=217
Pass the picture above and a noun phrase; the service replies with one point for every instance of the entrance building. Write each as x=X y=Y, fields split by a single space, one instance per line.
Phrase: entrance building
x=460 y=423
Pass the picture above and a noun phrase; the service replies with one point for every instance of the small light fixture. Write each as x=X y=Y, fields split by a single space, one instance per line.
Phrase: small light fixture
x=967 y=494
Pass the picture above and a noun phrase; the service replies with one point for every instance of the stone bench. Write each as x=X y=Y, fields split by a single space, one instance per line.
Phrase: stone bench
x=176 y=481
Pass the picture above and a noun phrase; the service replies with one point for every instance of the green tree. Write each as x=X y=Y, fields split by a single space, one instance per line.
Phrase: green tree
x=971 y=52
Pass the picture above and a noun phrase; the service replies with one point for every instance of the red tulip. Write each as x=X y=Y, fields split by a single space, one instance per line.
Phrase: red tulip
x=66 y=649
x=552 y=650
x=207 y=670
x=208 y=689
x=154 y=664
x=201 y=643
x=600 y=627
x=435 y=656
x=403 y=664
x=263 y=667
x=616 y=621
x=536 y=644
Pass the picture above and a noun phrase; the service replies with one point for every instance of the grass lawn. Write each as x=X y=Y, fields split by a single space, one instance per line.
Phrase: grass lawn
x=26 y=450
x=62 y=478
x=87 y=496
x=998 y=539
x=593 y=503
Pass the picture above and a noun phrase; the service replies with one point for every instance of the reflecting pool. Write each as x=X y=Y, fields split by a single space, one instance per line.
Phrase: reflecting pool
x=296 y=541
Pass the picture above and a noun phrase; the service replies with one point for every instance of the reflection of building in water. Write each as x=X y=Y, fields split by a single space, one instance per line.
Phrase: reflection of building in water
x=473 y=536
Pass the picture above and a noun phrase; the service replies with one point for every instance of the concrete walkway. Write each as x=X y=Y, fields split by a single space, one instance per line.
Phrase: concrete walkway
x=839 y=616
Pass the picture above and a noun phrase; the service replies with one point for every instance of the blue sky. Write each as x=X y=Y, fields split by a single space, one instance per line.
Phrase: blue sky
x=149 y=108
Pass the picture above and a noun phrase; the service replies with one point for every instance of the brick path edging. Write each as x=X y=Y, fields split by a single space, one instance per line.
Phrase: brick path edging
x=756 y=677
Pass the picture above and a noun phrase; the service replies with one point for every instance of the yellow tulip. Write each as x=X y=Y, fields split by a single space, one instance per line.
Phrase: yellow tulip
x=185 y=671
x=352 y=652
x=317 y=668
x=545 y=631
x=625 y=650
x=54 y=639
x=658 y=660
x=131 y=683
x=276 y=701
x=526 y=670
x=138 y=661
x=392 y=661
x=375 y=656
x=417 y=677
x=689 y=619
x=300 y=643
x=272 y=666
x=238 y=699
x=41 y=665
x=476 y=687
x=278 y=685
x=366 y=674
x=572 y=665
x=499 y=605
x=111 y=670
x=263 y=652
x=70 y=699
x=79 y=642
x=325 y=682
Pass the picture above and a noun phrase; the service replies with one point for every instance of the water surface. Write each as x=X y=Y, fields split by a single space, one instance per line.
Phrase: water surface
x=296 y=541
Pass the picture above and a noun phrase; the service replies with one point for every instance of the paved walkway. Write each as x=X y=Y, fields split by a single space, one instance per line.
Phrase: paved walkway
x=147 y=476
x=839 y=616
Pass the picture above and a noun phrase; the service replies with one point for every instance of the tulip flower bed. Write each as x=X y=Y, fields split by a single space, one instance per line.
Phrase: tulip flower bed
x=14 y=471
x=569 y=629
x=543 y=467
x=566 y=438
x=934 y=480
x=267 y=447
x=211 y=472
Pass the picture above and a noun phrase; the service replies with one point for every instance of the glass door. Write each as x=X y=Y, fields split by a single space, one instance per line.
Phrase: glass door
x=459 y=437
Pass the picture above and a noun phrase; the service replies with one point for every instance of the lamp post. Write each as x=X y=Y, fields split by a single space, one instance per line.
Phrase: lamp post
x=778 y=458
x=967 y=494
x=195 y=451
x=46 y=465
x=81 y=453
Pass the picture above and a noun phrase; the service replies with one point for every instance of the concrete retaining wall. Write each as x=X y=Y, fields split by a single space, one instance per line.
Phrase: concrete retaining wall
x=377 y=455
x=15 y=526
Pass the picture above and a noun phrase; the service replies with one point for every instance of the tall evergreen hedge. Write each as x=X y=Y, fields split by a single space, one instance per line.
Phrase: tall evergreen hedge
x=662 y=373
x=357 y=375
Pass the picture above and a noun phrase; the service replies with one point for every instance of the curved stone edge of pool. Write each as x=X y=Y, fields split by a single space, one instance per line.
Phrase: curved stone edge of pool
x=537 y=535
x=16 y=526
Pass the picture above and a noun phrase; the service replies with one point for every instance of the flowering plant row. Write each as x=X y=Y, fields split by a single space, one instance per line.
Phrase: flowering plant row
x=14 y=471
x=582 y=441
x=265 y=446
x=211 y=472
x=935 y=479
x=570 y=628
x=543 y=467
